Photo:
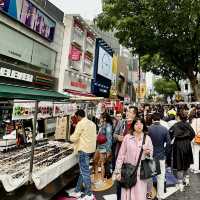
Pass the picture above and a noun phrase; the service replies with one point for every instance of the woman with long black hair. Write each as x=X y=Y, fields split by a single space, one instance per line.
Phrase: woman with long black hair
x=182 y=134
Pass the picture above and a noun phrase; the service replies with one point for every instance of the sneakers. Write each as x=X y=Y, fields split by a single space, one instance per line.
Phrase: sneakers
x=75 y=194
x=187 y=181
x=181 y=187
x=87 y=197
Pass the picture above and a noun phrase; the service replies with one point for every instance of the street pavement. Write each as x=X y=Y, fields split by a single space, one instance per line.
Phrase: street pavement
x=190 y=193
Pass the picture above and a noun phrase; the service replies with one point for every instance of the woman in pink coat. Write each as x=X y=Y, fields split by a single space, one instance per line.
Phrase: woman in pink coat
x=129 y=153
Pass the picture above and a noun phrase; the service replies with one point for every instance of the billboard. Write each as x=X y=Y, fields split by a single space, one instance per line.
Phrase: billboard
x=105 y=64
x=28 y=14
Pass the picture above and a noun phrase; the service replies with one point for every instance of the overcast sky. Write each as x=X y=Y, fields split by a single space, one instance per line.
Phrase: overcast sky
x=86 y=8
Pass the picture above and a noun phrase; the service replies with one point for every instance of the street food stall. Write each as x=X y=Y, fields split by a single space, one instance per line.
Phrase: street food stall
x=35 y=155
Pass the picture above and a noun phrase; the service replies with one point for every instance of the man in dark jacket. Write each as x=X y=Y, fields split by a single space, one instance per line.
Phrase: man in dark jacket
x=161 y=143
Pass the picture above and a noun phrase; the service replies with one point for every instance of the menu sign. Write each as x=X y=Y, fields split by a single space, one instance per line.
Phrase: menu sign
x=23 y=110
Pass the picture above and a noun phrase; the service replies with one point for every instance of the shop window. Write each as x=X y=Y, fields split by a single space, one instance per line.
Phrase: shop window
x=77 y=36
x=75 y=64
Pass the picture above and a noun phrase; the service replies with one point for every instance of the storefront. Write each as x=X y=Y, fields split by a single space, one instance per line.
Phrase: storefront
x=26 y=154
x=34 y=118
x=102 y=76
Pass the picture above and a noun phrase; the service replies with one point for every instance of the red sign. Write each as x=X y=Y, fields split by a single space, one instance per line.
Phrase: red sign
x=75 y=54
x=78 y=84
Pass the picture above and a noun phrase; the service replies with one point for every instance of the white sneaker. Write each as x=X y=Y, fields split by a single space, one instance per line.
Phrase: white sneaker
x=87 y=197
x=187 y=181
x=75 y=194
x=181 y=187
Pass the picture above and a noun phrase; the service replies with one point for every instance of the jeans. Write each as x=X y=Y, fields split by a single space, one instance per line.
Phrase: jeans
x=84 y=180
x=161 y=180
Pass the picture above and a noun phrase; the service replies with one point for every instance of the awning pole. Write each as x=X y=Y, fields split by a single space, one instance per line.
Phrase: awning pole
x=33 y=141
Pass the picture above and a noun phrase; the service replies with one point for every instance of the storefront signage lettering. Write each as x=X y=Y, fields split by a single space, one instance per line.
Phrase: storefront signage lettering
x=78 y=84
x=15 y=74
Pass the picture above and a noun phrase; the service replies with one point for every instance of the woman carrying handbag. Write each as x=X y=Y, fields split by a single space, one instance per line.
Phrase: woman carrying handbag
x=131 y=149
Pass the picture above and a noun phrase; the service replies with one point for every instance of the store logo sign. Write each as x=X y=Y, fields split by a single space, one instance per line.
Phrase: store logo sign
x=79 y=84
x=9 y=73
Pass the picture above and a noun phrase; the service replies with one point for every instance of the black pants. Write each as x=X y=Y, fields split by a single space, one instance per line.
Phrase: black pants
x=113 y=156
x=118 y=191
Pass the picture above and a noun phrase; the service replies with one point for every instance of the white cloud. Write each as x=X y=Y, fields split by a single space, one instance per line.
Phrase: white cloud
x=86 y=8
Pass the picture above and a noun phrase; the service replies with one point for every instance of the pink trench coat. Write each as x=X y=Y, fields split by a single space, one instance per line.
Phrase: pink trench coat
x=129 y=153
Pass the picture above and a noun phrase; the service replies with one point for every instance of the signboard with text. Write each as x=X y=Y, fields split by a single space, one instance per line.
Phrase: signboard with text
x=75 y=54
x=28 y=14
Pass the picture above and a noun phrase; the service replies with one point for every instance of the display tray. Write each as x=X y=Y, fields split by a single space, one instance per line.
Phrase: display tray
x=50 y=160
x=27 y=192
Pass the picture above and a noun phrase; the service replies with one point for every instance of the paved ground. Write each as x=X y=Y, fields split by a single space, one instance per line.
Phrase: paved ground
x=191 y=193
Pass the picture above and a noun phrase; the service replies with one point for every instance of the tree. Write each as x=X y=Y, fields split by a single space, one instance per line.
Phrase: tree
x=158 y=66
x=170 y=28
x=165 y=87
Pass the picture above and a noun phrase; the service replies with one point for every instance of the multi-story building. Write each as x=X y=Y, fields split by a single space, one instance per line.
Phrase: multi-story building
x=31 y=35
x=77 y=57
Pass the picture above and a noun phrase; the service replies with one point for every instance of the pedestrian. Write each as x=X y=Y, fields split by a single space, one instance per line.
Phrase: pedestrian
x=117 y=132
x=161 y=143
x=84 y=139
x=182 y=134
x=129 y=153
x=195 y=123
x=131 y=114
x=104 y=151
x=171 y=120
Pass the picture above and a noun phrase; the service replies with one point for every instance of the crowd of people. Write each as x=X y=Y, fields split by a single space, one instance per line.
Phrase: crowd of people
x=114 y=140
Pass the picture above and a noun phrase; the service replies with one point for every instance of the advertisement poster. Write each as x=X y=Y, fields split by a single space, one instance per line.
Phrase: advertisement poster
x=23 y=110
x=75 y=54
x=28 y=14
x=45 y=110
x=64 y=109
x=59 y=109
x=105 y=64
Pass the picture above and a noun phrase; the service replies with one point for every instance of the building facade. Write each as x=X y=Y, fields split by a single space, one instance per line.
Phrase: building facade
x=31 y=35
x=77 y=57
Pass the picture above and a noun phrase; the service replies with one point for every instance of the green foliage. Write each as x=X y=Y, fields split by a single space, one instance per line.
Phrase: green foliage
x=168 y=28
x=165 y=87
x=158 y=66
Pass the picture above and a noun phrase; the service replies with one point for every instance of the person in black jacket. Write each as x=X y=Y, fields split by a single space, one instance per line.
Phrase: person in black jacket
x=182 y=134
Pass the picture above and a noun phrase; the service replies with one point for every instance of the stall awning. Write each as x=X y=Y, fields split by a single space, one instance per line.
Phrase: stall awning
x=19 y=92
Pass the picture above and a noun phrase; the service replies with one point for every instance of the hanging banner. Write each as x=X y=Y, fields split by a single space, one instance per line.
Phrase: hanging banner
x=45 y=110
x=75 y=54
x=23 y=110
x=64 y=109
x=59 y=109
